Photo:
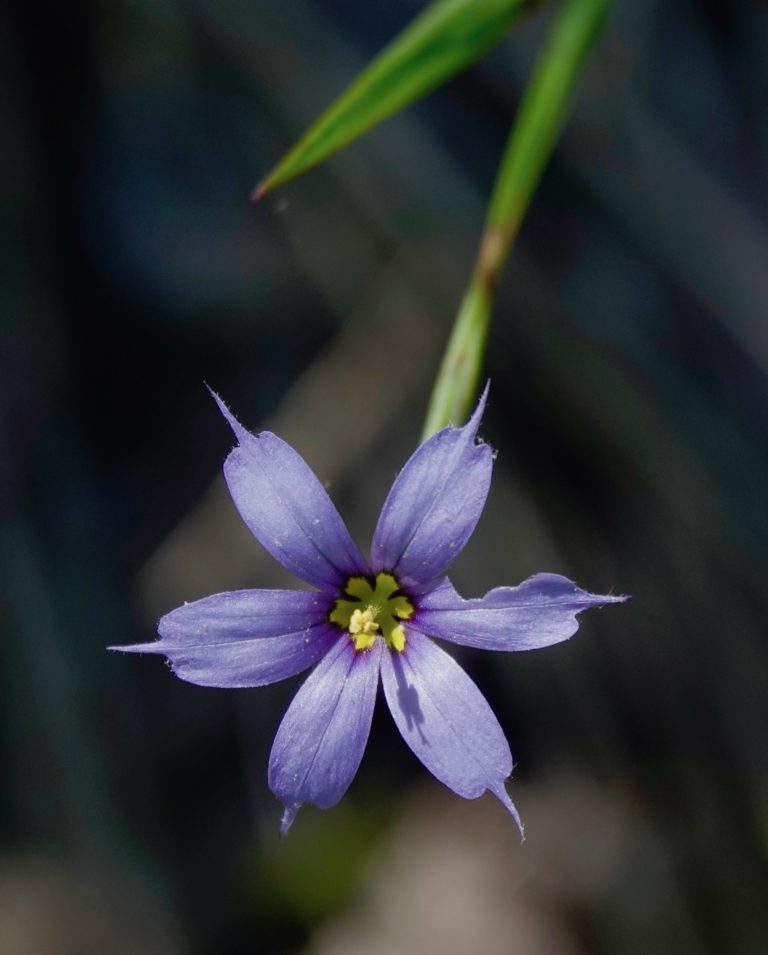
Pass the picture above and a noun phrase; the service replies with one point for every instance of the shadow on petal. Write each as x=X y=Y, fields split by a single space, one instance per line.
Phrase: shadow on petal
x=408 y=700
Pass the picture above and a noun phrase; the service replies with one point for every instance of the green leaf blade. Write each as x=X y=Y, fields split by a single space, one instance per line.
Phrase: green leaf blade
x=441 y=41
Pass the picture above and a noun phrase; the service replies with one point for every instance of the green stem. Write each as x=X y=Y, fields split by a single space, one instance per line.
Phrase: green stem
x=530 y=144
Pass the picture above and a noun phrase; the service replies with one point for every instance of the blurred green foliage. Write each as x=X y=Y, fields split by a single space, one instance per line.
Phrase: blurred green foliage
x=319 y=872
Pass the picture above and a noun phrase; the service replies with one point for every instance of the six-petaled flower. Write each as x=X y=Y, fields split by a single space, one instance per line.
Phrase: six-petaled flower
x=368 y=619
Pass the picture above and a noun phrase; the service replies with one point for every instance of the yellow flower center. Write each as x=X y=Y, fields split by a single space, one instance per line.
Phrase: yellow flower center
x=369 y=610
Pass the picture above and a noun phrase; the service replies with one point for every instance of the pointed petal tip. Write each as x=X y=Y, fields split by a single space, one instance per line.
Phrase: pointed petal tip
x=259 y=191
x=503 y=796
x=153 y=647
x=289 y=814
x=473 y=421
x=616 y=598
x=477 y=415
x=241 y=433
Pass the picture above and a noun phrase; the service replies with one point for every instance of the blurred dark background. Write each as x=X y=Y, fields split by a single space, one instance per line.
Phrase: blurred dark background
x=629 y=407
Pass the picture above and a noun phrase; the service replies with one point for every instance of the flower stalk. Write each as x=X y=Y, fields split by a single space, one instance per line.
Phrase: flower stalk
x=530 y=144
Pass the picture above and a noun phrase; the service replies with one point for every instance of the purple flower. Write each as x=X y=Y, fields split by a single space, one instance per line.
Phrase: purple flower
x=368 y=619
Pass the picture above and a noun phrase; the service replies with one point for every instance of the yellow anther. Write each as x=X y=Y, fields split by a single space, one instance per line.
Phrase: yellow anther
x=363 y=628
x=369 y=611
x=363 y=621
x=396 y=638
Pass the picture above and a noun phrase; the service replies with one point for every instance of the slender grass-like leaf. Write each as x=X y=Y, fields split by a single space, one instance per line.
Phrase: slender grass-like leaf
x=446 y=37
x=530 y=144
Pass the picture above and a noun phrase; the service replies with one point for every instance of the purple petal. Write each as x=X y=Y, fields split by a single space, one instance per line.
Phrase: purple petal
x=287 y=509
x=446 y=721
x=434 y=504
x=540 y=612
x=322 y=737
x=244 y=614
x=244 y=638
